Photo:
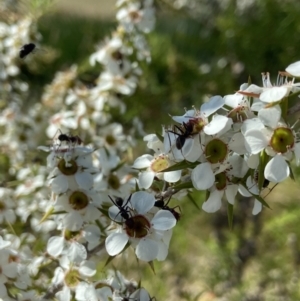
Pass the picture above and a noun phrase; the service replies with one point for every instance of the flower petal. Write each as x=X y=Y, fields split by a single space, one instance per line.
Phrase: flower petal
x=142 y=201
x=202 y=176
x=142 y=162
x=55 y=245
x=274 y=94
x=163 y=250
x=230 y=193
x=213 y=203
x=218 y=123
x=147 y=249
x=77 y=252
x=115 y=243
x=233 y=100
x=88 y=268
x=214 y=104
x=146 y=179
x=270 y=116
x=257 y=207
x=84 y=180
x=297 y=153
x=172 y=176
x=277 y=169
x=255 y=141
x=163 y=220
x=294 y=69
x=59 y=184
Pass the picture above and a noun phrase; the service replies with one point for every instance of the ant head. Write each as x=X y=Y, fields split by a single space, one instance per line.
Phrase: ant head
x=119 y=201
x=63 y=137
x=159 y=203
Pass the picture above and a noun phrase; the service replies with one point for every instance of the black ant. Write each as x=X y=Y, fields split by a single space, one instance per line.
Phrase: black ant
x=124 y=210
x=69 y=139
x=183 y=134
x=26 y=49
x=161 y=204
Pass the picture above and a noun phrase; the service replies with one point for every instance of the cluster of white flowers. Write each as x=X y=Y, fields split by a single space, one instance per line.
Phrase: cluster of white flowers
x=70 y=222
x=236 y=143
x=13 y=37
x=97 y=203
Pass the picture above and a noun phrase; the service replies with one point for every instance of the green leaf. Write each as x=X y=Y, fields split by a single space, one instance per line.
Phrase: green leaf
x=284 y=107
x=207 y=194
x=291 y=172
x=249 y=80
x=261 y=200
x=137 y=188
x=181 y=165
x=151 y=264
x=109 y=259
x=104 y=211
x=230 y=215
x=193 y=201
x=121 y=164
x=258 y=197
x=293 y=94
x=159 y=136
x=263 y=160
x=185 y=185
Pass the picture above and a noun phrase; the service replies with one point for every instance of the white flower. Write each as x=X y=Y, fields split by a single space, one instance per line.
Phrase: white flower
x=277 y=139
x=73 y=169
x=270 y=93
x=118 y=82
x=294 y=69
x=182 y=145
x=90 y=292
x=81 y=207
x=112 y=138
x=140 y=295
x=241 y=110
x=149 y=236
x=62 y=120
x=8 y=268
x=219 y=182
x=252 y=186
x=8 y=205
x=68 y=275
x=154 y=143
x=135 y=15
x=152 y=166
x=105 y=54
x=58 y=245
x=185 y=142
x=29 y=295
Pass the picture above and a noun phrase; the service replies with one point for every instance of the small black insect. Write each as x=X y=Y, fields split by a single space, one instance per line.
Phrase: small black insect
x=161 y=204
x=124 y=210
x=26 y=49
x=69 y=139
x=183 y=134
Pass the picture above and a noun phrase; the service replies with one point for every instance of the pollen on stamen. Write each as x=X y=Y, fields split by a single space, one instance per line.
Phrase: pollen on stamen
x=159 y=164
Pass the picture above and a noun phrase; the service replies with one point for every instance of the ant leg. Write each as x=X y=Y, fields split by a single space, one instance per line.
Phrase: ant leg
x=111 y=211
x=128 y=200
x=270 y=190
x=172 y=146
x=54 y=143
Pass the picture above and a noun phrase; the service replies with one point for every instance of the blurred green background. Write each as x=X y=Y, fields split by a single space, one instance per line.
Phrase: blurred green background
x=209 y=49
